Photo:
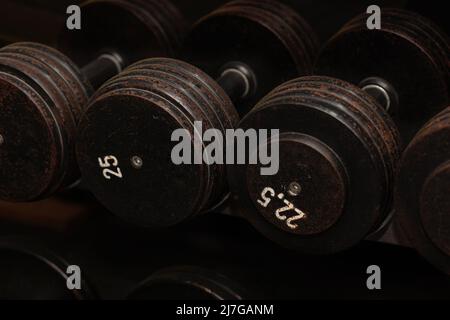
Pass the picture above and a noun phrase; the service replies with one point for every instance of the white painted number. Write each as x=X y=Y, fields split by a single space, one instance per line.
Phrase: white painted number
x=266 y=199
x=280 y=213
x=110 y=166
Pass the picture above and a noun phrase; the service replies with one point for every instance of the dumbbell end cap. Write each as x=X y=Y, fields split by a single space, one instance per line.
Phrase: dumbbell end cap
x=30 y=143
x=308 y=194
x=125 y=155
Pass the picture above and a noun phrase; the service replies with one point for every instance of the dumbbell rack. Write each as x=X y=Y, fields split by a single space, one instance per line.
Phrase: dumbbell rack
x=219 y=251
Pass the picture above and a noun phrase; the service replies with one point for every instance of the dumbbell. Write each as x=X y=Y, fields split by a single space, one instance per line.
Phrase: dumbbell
x=404 y=65
x=31 y=271
x=43 y=92
x=339 y=146
x=422 y=193
x=124 y=146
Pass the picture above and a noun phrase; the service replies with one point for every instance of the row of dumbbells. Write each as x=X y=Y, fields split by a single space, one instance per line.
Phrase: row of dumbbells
x=103 y=260
x=342 y=131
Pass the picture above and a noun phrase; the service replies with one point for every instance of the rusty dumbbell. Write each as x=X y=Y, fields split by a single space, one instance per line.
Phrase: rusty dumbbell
x=423 y=192
x=404 y=65
x=249 y=47
x=43 y=93
x=340 y=142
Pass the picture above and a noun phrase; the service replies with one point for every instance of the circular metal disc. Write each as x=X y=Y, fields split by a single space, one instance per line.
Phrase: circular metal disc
x=129 y=124
x=49 y=80
x=435 y=207
x=422 y=202
x=32 y=148
x=133 y=116
x=322 y=191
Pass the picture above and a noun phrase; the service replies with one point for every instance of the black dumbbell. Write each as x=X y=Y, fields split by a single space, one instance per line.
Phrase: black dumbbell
x=124 y=147
x=404 y=65
x=31 y=271
x=339 y=147
x=43 y=93
x=422 y=194
x=338 y=150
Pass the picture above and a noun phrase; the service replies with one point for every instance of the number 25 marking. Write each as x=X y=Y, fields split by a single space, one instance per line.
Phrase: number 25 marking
x=110 y=166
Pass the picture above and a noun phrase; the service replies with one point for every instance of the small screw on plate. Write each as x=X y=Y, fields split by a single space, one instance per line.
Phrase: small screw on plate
x=294 y=189
x=137 y=162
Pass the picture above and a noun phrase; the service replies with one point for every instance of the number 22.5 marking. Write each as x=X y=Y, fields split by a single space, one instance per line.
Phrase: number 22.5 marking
x=267 y=196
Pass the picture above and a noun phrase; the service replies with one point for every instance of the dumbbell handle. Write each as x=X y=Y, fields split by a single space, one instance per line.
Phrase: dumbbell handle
x=237 y=80
x=103 y=68
x=382 y=91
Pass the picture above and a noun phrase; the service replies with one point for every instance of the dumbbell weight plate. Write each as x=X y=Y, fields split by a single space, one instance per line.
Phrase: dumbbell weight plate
x=336 y=149
x=255 y=34
x=422 y=201
x=21 y=151
x=225 y=116
x=65 y=91
x=55 y=86
x=65 y=68
x=154 y=104
x=36 y=168
x=45 y=157
x=408 y=52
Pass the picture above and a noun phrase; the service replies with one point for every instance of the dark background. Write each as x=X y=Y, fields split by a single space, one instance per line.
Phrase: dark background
x=39 y=20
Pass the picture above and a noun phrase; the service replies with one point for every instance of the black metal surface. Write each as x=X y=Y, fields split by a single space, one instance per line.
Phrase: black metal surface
x=43 y=95
x=422 y=201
